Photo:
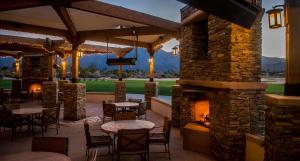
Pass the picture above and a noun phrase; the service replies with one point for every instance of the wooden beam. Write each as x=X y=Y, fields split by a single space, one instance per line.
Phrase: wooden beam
x=163 y=39
x=119 y=41
x=65 y=17
x=19 y=47
x=125 y=14
x=14 y=26
x=240 y=12
x=124 y=32
x=6 y=5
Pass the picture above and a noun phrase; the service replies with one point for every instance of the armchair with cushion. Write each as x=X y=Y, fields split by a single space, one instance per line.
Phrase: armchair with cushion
x=133 y=142
x=125 y=116
x=50 y=144
x=109 y=111
x=163 y=138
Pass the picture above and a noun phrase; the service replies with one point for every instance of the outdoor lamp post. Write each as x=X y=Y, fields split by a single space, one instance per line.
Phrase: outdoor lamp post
x=274 y=15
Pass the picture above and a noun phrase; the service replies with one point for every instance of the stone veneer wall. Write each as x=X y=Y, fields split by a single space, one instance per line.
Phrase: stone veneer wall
x=74 y=101
x=35 y=67
x=120 y=91
x=50 y=94
x=151 y=90
x=61 y=84
x=176 y=105
x=282 y=140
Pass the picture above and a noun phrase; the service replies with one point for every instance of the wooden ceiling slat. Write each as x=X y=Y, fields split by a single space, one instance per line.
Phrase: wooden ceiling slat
x=125 y=14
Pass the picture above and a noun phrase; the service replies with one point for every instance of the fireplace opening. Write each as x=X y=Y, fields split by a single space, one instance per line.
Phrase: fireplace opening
x=35 y=91
x=201 y=108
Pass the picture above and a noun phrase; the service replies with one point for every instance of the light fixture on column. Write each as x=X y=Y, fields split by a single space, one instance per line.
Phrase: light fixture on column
x=80 y=53
x=175 y=50
x=150 y=60
x=275 y=20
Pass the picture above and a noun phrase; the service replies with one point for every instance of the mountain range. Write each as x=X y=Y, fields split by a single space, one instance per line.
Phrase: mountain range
x=164 y=61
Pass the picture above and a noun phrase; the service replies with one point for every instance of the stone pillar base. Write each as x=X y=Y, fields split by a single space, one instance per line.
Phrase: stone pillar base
x=50 y=94
x=61 y=84
x=120 y=91
x=151 y=90
x=74 y=101
x=282 y=139
x=176 y=102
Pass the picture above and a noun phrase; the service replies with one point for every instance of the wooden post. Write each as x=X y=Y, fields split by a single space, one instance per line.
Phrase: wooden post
x=120 y=73
x=17 y=67
x=74 y=63
x=63 y=68
x=51 y=70
x=151 y=66
x=292 y=10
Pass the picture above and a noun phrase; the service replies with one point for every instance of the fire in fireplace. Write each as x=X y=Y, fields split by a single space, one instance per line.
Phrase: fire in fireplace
x=202 y=111
x=35 y=88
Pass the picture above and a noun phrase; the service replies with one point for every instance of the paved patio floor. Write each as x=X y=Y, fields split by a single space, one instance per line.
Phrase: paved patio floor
x=74 y=130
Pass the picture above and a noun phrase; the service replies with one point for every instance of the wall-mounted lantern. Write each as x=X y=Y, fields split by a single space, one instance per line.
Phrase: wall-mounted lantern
x=275 y=18
x=175 y=50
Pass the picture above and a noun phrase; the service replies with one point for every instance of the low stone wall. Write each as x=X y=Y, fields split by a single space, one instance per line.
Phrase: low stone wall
x=254 y=148
x=61 y=84
x=98 y=97
x=161 y=107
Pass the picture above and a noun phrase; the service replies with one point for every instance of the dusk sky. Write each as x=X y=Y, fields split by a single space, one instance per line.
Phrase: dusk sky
x=273 y=40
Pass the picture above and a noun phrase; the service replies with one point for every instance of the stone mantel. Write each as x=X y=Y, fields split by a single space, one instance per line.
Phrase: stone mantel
x=224 y=85
x=282 y=100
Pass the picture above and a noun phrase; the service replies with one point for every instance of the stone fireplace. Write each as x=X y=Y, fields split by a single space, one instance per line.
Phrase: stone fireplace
x=220 y=77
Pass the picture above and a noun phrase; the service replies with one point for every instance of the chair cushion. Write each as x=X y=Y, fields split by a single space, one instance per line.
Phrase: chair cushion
x=100 y=141
x=157 y=138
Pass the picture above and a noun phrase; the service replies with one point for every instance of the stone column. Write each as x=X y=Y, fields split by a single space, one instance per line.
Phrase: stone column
x=176 y=102
x=51 y=59
x=120 y=91
x=120 y=73
x=50 y=94
x=151 y=90
x=74 y=101
x=292 y=86
x=61 y=85
x=282 y=139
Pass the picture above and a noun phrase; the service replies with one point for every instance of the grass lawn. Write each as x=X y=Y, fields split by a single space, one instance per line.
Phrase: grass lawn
x=137 y=86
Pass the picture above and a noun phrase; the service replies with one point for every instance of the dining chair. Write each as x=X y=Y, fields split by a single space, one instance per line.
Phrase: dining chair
x=133 y=142
x=142 y=110
x=8 y=120
x=92 y=156
x=137 y=100
x=50 y=116
x=125 y=116
x=109 y=111
x=162 y=138
x=96 y=141
x=50 y=144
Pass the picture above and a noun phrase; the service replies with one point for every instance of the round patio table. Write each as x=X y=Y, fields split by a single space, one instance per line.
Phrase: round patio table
x=28 y=111
x=126 y=104
x=35 y=156
x=31 y=112
x=115 y=126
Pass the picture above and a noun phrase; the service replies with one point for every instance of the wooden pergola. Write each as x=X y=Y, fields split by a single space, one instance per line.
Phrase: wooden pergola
x=79 y=20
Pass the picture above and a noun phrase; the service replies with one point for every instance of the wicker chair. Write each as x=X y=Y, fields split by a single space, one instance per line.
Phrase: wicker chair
x=125 y=116
x=96 y=141
x=50 y=144
x=109 y=111
x=133 y=142
x=163 y=138
x=142 y=110
x=50 y=116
